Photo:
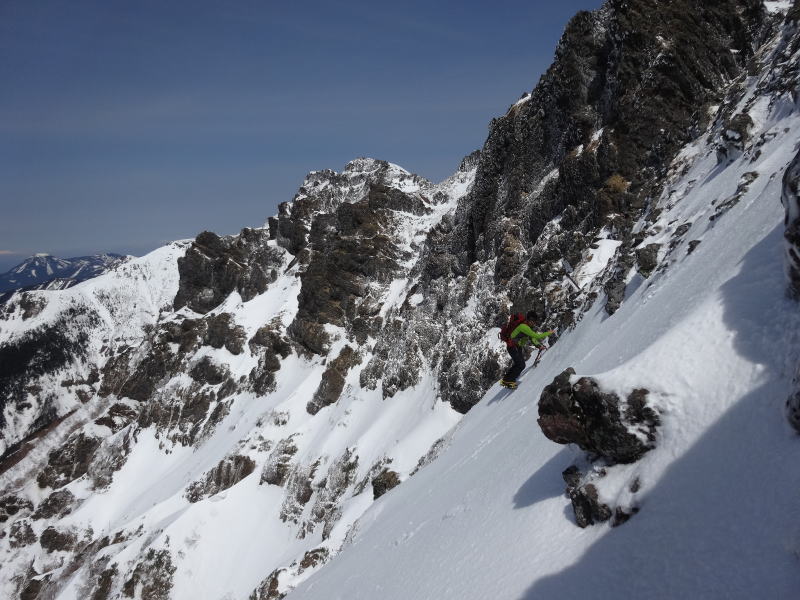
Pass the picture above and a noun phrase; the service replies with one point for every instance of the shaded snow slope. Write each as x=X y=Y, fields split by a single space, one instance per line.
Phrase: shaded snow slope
x=713 y=337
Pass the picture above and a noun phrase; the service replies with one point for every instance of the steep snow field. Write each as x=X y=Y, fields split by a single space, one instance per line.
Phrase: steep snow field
x=715 y=340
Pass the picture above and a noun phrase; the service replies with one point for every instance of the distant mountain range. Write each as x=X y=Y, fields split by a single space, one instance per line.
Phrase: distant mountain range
x=44 y=271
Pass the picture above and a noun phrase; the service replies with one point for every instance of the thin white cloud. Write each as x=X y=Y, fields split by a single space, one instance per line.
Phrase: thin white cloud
x=9 y=253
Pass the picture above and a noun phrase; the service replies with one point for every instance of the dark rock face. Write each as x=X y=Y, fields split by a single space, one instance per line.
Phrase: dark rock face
x=21 y=534
x=599 y=422
x=214 y=266
x=109 y=458
x=68 y=462
x=647 y=259
x=207 y=371
x=349 y=250
x=591 y=86
x=333 y=380
x=588 y=509
x=58 y=503
x=586 y=504
x=117 y=417
x=11 y=505
x=270 y=346
x=226 y=474
x=152 y=577
x=54 y=540
x=384 y=482
x=222 y=332
x=40 y=352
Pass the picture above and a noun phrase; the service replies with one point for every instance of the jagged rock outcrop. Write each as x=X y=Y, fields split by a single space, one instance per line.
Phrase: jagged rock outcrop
x=152 y=577
x=598 y=422
x=215 y=266
x=226 y=474
x=333 y=380
x=351 y=254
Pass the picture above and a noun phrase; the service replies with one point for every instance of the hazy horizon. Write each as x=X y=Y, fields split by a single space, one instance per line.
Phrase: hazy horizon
x=128 y=125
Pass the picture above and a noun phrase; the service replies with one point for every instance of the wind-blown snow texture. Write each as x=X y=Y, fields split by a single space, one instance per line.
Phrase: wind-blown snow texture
x=282 y=411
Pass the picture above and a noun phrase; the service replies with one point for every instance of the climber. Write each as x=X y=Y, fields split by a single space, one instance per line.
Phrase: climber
x=517 y=334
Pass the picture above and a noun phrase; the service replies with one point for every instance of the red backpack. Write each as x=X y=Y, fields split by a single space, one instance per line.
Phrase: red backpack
x=505 y=332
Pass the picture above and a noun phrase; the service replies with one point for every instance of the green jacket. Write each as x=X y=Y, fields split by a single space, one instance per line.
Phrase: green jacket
x=527 y=334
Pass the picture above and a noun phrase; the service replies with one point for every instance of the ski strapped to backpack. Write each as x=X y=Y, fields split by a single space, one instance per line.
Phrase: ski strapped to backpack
x=513 y=322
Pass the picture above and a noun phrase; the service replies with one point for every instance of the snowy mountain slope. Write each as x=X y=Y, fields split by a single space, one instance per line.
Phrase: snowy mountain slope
x=70 y=335
x=713 y=336
x=40 y=270
x=243 y=401
x=145 y=483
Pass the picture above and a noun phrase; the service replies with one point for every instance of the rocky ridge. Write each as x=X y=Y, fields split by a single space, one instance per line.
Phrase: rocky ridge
x=269 y=355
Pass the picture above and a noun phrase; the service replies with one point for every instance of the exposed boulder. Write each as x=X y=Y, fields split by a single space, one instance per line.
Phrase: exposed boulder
x=587 y=506
x=597 y=421
x=313 y=558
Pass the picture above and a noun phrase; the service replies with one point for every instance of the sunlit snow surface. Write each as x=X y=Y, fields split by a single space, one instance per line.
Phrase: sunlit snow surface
x=715 y=341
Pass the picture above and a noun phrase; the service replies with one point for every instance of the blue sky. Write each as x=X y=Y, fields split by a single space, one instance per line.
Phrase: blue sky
x=126 y=124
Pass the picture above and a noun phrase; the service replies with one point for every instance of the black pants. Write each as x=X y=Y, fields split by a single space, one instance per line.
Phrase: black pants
x=518 y=364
